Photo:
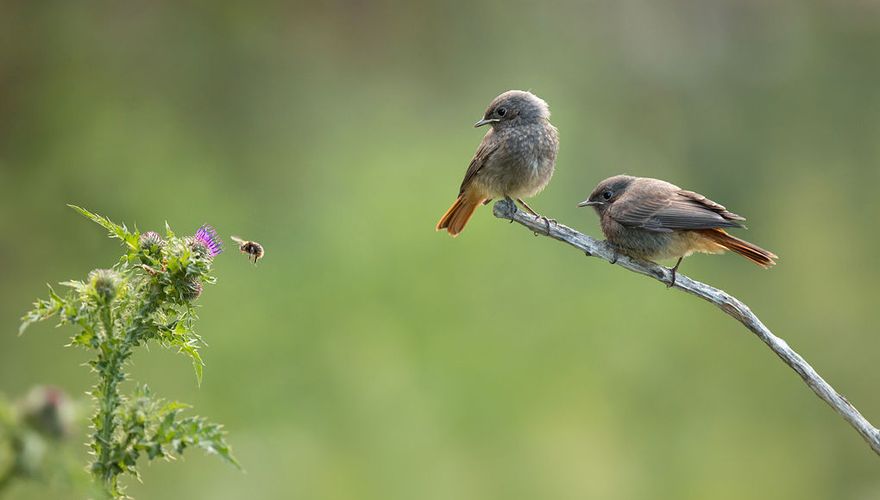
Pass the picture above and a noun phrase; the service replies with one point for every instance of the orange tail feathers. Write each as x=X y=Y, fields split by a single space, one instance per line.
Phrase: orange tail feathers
x=752 y=252
x=454 y=220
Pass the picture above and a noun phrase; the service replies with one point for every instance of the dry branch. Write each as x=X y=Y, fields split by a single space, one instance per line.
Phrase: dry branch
x=505 y=209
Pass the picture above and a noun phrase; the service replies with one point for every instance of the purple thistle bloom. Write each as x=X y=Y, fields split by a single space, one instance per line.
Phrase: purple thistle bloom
x=208 y=237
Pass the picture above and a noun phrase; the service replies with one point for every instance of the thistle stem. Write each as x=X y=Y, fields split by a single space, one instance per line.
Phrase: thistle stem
x=114 y=352
x=110 y=361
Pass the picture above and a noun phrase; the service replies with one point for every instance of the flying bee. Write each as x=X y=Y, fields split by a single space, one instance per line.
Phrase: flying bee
x=252 y=248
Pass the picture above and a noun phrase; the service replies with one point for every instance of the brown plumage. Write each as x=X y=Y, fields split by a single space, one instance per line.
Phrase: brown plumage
x=653 y=219
x=515 y=159
x=748 y=250
x=460 y=212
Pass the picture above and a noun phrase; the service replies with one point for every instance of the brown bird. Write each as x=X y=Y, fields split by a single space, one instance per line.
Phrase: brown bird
x=515 y=160
x=653 y=219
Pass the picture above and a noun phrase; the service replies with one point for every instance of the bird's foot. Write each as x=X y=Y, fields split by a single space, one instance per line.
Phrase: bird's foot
x=674 y=270
x=549 y=222
x=505 y=207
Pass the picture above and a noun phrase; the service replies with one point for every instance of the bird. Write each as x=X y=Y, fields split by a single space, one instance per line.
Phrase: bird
x=515 y=159
x=652 y=219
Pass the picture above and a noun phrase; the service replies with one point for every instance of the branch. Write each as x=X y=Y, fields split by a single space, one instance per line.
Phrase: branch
x=731 y=305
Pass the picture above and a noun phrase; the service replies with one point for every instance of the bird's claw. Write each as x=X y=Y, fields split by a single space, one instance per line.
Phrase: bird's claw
x=547 y=221
x=674 y=270
x=671 y=281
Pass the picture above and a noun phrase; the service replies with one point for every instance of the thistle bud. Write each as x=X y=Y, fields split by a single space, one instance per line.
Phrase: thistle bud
x=192 y=289
x=48 y=411
x=105 y=283
x=150 y=241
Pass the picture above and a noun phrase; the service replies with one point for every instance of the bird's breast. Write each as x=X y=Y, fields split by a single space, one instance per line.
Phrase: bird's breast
x=523 y=163
x=654 y=245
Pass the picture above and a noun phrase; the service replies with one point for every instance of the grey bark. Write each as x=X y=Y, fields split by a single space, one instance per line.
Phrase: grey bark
x=721 y=299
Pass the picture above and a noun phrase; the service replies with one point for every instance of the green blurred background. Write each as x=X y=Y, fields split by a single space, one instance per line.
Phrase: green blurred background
x=368 y=357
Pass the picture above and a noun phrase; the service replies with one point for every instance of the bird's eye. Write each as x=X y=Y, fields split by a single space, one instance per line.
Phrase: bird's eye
x=501 y=111
x=607 y=194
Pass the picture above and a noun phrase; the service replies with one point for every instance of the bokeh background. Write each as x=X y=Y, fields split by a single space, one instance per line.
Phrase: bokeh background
x=368 y=357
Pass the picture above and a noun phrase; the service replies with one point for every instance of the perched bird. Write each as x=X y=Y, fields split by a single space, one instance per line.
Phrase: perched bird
x=653 y=219
x=515 y=160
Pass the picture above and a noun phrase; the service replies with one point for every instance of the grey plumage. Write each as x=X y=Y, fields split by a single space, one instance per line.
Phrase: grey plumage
x=516 y=158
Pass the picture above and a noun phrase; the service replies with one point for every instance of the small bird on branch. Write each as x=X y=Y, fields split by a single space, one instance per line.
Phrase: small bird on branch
x=653 y=220
x=515 y=159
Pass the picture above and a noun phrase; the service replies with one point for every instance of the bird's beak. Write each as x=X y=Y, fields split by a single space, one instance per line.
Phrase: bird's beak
x=486 y=121
x=589 y=203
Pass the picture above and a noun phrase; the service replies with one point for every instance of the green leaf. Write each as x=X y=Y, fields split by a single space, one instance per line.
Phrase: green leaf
x=163 y=434
x=85 y=338
x=187 y=342
x=115 y=230
x=210 y=437
x=174 y=406
x=198 y=365
x=79 y=286
x=43 y=310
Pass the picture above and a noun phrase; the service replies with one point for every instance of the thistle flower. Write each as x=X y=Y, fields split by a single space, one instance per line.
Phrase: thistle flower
x=105 y=282
x=49 y=411
x=150 y=240
x=116 y=311
x=206 y=242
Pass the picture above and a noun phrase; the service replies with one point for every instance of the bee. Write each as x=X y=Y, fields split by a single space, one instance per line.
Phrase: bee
x=252 y=248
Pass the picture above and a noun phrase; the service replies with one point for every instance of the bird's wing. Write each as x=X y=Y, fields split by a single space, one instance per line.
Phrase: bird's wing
x=681 y=211
x=487 y=147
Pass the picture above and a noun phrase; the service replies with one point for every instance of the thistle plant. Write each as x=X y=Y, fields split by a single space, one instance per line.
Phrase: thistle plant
x=148 y=296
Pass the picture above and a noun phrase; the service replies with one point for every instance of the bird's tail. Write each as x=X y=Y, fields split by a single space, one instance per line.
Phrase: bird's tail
x=454 y=220
x=752 y=252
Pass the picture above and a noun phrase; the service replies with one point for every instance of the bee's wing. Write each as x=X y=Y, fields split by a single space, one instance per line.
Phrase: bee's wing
x=237 y=240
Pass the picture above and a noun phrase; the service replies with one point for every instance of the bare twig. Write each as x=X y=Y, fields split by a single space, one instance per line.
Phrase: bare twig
x=721 y=299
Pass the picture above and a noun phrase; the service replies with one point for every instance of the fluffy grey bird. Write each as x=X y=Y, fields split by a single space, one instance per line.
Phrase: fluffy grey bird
x=515 y=160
